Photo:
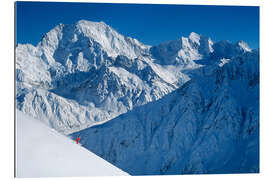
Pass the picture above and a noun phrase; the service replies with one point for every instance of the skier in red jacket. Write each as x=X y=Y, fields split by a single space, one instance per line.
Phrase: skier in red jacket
x=77 y=140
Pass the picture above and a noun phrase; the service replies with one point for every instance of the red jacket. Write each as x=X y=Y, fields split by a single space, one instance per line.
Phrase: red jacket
x=77 y=140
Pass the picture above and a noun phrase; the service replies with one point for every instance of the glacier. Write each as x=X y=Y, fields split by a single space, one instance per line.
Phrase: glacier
x=185 y=106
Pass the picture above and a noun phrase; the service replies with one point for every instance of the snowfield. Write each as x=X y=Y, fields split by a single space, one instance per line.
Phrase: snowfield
x=43 y=152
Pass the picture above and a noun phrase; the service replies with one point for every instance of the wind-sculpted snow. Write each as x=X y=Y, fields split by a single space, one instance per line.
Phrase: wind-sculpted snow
x=208 y=125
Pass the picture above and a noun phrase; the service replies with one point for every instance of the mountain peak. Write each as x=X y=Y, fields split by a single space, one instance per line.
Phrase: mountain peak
x=194 y=37
x=242 y=44
x=92 y=23
x=227 y=49
x=204 y=42
x=90 y=28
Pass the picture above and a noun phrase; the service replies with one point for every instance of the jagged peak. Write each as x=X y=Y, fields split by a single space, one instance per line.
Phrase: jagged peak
x=195 y=37
x=243 y=45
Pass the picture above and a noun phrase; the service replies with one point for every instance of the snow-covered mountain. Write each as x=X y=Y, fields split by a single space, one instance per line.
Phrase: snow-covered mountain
x=183 y=51
x=43 y=152
x=184 y=106
x=208 y=125
x=86 y=73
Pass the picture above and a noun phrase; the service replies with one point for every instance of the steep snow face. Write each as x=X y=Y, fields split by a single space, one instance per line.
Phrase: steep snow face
x=30 y=68
x=43 y=152
x=209 y=125
x=112 y=42
x=63 y=114
x=183 y=51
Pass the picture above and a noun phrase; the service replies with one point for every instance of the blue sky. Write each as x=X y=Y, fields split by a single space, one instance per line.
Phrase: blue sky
x=150 y=24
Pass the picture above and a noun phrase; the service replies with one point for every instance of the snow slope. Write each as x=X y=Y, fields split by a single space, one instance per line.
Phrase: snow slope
x=43 y=152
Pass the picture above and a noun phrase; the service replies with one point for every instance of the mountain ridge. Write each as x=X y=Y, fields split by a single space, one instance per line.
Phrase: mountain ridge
x=87 y=73
x=208 y=125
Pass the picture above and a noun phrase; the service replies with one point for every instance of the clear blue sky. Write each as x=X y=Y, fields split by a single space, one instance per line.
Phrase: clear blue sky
x=150 y=24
